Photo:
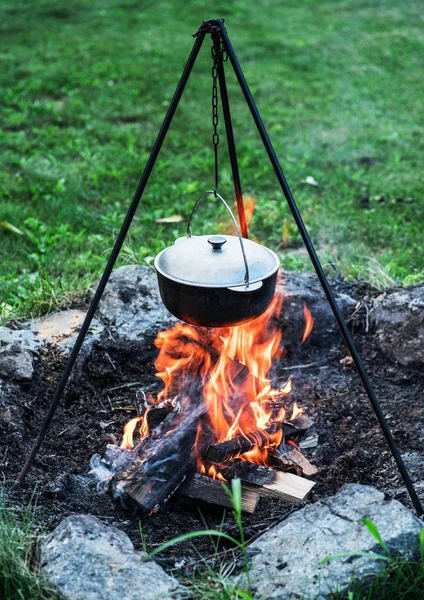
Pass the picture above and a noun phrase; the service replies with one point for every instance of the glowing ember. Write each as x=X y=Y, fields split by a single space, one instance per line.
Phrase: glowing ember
x=226 y=371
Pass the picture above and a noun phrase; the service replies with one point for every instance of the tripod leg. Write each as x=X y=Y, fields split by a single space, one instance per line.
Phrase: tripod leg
x=112 y=259
x=320 y=272
x=230 y=137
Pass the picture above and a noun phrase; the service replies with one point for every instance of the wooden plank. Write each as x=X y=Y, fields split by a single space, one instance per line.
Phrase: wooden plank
x=204 y=489
x=287 y=486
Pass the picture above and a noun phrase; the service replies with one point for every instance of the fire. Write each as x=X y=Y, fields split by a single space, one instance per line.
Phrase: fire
x=309 y=322
x=129 y=429
x=296 y=411
x=226 y=371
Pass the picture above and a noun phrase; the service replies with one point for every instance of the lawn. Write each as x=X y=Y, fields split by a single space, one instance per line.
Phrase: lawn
x=85 y=86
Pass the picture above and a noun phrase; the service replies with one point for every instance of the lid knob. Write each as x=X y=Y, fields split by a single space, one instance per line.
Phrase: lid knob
x=217 y=241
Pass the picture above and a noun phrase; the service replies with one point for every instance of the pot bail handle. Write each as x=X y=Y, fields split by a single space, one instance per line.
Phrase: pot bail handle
x=215 y=193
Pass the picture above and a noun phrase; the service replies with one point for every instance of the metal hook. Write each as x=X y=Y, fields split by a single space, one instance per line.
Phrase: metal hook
x=216 y=195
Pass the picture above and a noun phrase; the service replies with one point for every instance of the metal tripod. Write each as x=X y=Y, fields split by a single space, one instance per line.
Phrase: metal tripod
x=221 y=41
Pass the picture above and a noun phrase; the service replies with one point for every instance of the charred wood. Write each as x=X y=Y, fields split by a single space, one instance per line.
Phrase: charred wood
x=258 y=438
x=253 y=472
x=162 y=463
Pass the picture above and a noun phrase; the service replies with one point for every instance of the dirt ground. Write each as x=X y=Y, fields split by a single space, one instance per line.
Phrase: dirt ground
x=351 y=445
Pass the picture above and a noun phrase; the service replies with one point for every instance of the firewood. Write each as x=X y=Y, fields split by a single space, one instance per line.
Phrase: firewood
x=286 y=486
x=162 y=464
x=279 y=461
x=257 y=438
x=299 y=459
x=198 y=487
x=267 y=481
x=310 y=440
x=253 y=472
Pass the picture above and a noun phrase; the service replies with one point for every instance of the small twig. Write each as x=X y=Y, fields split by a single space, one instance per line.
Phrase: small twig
x=124 y=385
x=354 y=312
x=367 y=318
x=111 y=361
x=140 y=408
x=332 y=397
x=307 y=366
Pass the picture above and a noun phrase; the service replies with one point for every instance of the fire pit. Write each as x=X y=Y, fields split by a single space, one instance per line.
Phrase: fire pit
x=220 y=415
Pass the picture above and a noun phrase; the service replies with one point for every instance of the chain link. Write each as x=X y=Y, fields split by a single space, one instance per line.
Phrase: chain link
x=215 y=136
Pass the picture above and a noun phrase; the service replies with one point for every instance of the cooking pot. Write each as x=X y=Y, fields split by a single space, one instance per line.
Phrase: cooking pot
x=216 y=280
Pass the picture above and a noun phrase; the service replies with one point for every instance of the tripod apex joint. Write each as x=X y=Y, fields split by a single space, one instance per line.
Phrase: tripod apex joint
x=212 y=26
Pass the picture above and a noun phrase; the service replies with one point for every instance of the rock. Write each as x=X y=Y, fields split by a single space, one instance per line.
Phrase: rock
x=398 y=319
x=305 y=288
x=61 y=329
x=131 y=303
x=83 y=559
x=16 y=363
x=27 y=338
x=414 y=462
x=285 y=560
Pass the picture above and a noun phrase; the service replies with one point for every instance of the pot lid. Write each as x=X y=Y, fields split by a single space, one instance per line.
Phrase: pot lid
x=215 y=261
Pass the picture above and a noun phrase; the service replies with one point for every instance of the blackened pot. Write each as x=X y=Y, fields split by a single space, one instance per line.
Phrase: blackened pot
x=209 y=281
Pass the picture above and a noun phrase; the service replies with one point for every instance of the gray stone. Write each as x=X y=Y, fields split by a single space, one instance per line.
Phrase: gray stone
x=285 y=561
x=398 y=319
x=305 y=288
x=83 y=559
x=61 y=329
x=414 y=462
x=27 y=338
x=16 y=363
x=131 y=304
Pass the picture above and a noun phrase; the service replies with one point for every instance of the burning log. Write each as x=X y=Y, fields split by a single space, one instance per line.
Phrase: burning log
x=198 y=487
x=161 y=466
x=254 y=472
x=258 y=438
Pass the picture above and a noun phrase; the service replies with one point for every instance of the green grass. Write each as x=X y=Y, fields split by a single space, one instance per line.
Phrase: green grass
x=85 y=85
x=18 y=576
x=400 y=580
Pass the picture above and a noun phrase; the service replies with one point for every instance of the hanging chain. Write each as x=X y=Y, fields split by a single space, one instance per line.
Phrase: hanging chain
x=215 y=136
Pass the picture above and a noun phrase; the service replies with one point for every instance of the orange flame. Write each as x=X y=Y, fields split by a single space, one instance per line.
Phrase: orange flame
x=228 y=369
x=129 y=429
x=309 y=322
x=296 y=411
